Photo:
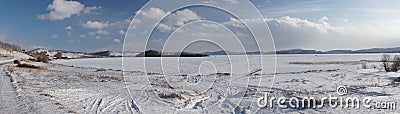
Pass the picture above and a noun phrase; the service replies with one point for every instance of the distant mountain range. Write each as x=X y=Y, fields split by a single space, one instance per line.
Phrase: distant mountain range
x=53 y=54
x=151 y=53
x=154 y=53
x=302 y=51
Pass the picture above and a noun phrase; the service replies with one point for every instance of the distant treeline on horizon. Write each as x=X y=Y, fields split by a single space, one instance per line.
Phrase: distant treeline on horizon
x=10 y=47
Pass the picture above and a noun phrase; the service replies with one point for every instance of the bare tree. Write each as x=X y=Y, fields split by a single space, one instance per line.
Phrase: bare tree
x=10 y=47
x=40 y=57
x=58 y=55
x=391 y=64
x=385 y=62
x=396 y=63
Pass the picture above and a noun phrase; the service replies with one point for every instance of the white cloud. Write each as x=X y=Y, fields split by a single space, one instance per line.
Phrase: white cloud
x=209 y=25
x=82 y=36
x=117 y=40
x=106 y=28
x=199 y=30
x=3 y=36
x=165 y=28
x=68 y=28
x=98 y=32
x=220 y=1
x=172 y=21
x=181 y=17
x=62 y=9
x=234 y=22
x=324 y=20
x=291 y=11
x=153 y=13
x=177 y=19
x=135 y=23
x=290 y=32
x=92 y=9
x=73 y=41
x=95 y=24
x=55 y=36
x=307 y=33
x=98 y=37
x=122 y=24
x=232 y=1
x=102 y=32
x=92 y=33
x=294 y=7
x=69 y=33
x=122 y=32
x=303 y=25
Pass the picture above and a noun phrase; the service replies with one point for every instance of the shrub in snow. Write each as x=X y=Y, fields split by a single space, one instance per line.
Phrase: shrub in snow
x=396 y=63
x=40 y=57
x=389 y=64
x=10 y=68
x=17 y=62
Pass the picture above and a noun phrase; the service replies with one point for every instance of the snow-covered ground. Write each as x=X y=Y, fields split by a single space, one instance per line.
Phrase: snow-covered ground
x=12 y=54
x=216 y=84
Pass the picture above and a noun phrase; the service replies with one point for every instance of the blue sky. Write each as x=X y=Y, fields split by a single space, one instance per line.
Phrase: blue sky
x=87 y=25
x=21 y=25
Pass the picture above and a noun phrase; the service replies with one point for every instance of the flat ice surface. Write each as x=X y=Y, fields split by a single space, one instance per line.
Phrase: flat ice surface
x=190 y=65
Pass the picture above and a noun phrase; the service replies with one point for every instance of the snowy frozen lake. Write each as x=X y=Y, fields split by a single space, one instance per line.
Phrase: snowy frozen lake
x=203 y=83
x=222 y=63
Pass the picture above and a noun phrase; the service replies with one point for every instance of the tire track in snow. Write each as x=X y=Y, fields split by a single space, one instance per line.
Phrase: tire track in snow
x=97 y=102
x=112 y=104
x=132 y=107
x=9 y=99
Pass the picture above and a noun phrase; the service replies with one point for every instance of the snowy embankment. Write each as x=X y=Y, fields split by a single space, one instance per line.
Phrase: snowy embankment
x=13 y=55
x=56 y=88
x=11 y=99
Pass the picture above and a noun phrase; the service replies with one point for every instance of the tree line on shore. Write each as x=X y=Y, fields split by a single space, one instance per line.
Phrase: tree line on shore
x=10 y=47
